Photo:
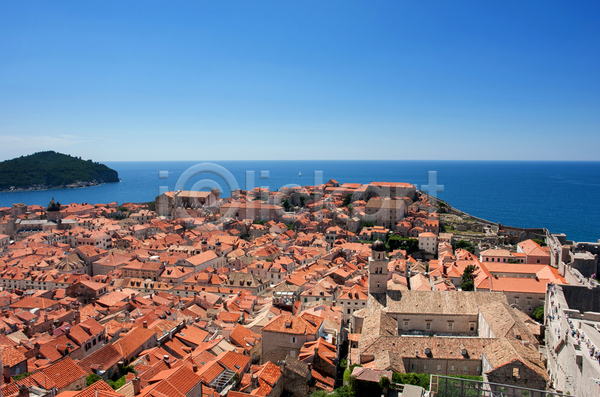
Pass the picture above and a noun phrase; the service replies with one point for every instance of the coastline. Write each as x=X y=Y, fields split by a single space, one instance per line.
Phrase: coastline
x=75 y=185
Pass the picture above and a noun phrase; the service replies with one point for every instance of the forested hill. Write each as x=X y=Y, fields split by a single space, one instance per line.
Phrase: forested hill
x=45 y=170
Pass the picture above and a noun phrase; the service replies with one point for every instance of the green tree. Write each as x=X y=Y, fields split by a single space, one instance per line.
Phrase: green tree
x=286 y=205
x=384 y=382
x=464 y=245
x=538 y=313
x=347 y=200
x=467 y=280
x=343 y=363
x=410 y=245
x=343 y=391
x=411 y=379
x=91 y=379
x=302 y=201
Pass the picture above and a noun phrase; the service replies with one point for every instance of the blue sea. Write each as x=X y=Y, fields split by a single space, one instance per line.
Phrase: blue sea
x=560 y=196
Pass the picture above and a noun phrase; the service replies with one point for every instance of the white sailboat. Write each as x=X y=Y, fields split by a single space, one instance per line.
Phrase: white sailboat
x=300 y=173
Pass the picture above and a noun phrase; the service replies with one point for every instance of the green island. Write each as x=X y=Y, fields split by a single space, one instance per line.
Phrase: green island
x=50 y=170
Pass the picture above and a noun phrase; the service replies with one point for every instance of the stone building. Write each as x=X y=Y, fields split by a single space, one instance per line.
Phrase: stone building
x=514 y=362
x=438 y=332
x=378 y=269
x=385 y=212
x=286 y=334
x=168 y=202
x=572 y=320
x=253 y=210
x=297 y=377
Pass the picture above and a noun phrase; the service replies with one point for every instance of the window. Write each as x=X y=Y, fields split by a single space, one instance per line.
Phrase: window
x=348 y=311
x=426 y=367
x=428 y=325
x=478 y=369
x=292 y=353
x=452 y=368
x=94 y=342
x=412 y=367
x=406 y=325
x=516 y=371
x=293 y=339
x=439 y=367
x=465 y=370
x=449 y=326
x=472 y=327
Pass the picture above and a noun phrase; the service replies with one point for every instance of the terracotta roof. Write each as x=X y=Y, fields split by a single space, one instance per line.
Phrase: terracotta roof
x=234 y=361
x=439 y=347
x=307 y=324
x=243 y=337
x=106 y=357
x=133 y=340
x=504 y=351
x=202 y=258
x=192 y=335
x=97 y=389
x=442 y=302
x=11 y=356
x=531 y=248
x=64 y=372
x=519 y=284
x=33 y=303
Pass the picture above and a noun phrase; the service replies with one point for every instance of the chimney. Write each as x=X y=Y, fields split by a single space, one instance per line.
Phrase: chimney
x=195 y=367
x=282 y=365
x=136 y=386
x=6 y=373
x=145 y=325
x=166 y=360
x=132 y=296
x=254 y=382
x=23 y=391
x=77 y=318
x=310 y=367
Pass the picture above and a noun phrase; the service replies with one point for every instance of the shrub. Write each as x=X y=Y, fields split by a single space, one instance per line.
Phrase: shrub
x=412 y=379
x=91 y=379
x=464 y=245
x=344 y=363
x=384 y=382
x=21 y=376
x=411 y=245
x=538 y=313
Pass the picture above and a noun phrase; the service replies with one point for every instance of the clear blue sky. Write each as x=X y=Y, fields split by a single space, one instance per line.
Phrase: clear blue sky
x=191 y=80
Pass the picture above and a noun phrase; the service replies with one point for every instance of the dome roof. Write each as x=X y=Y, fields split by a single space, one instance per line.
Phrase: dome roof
x=378 y=246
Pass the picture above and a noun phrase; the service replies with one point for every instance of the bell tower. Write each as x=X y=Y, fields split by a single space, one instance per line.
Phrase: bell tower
x=378 y=269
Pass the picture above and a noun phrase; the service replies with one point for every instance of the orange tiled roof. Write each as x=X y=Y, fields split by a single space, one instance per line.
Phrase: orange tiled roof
x=303 y=325
x=64 y=372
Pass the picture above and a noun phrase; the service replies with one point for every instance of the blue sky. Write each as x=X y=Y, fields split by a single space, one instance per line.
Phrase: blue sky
x=191 y=80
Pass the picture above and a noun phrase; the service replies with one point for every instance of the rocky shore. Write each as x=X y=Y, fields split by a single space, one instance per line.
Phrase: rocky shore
x=74 y=185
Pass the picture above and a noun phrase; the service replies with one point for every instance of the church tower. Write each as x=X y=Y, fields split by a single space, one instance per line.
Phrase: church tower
x=378 y=269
